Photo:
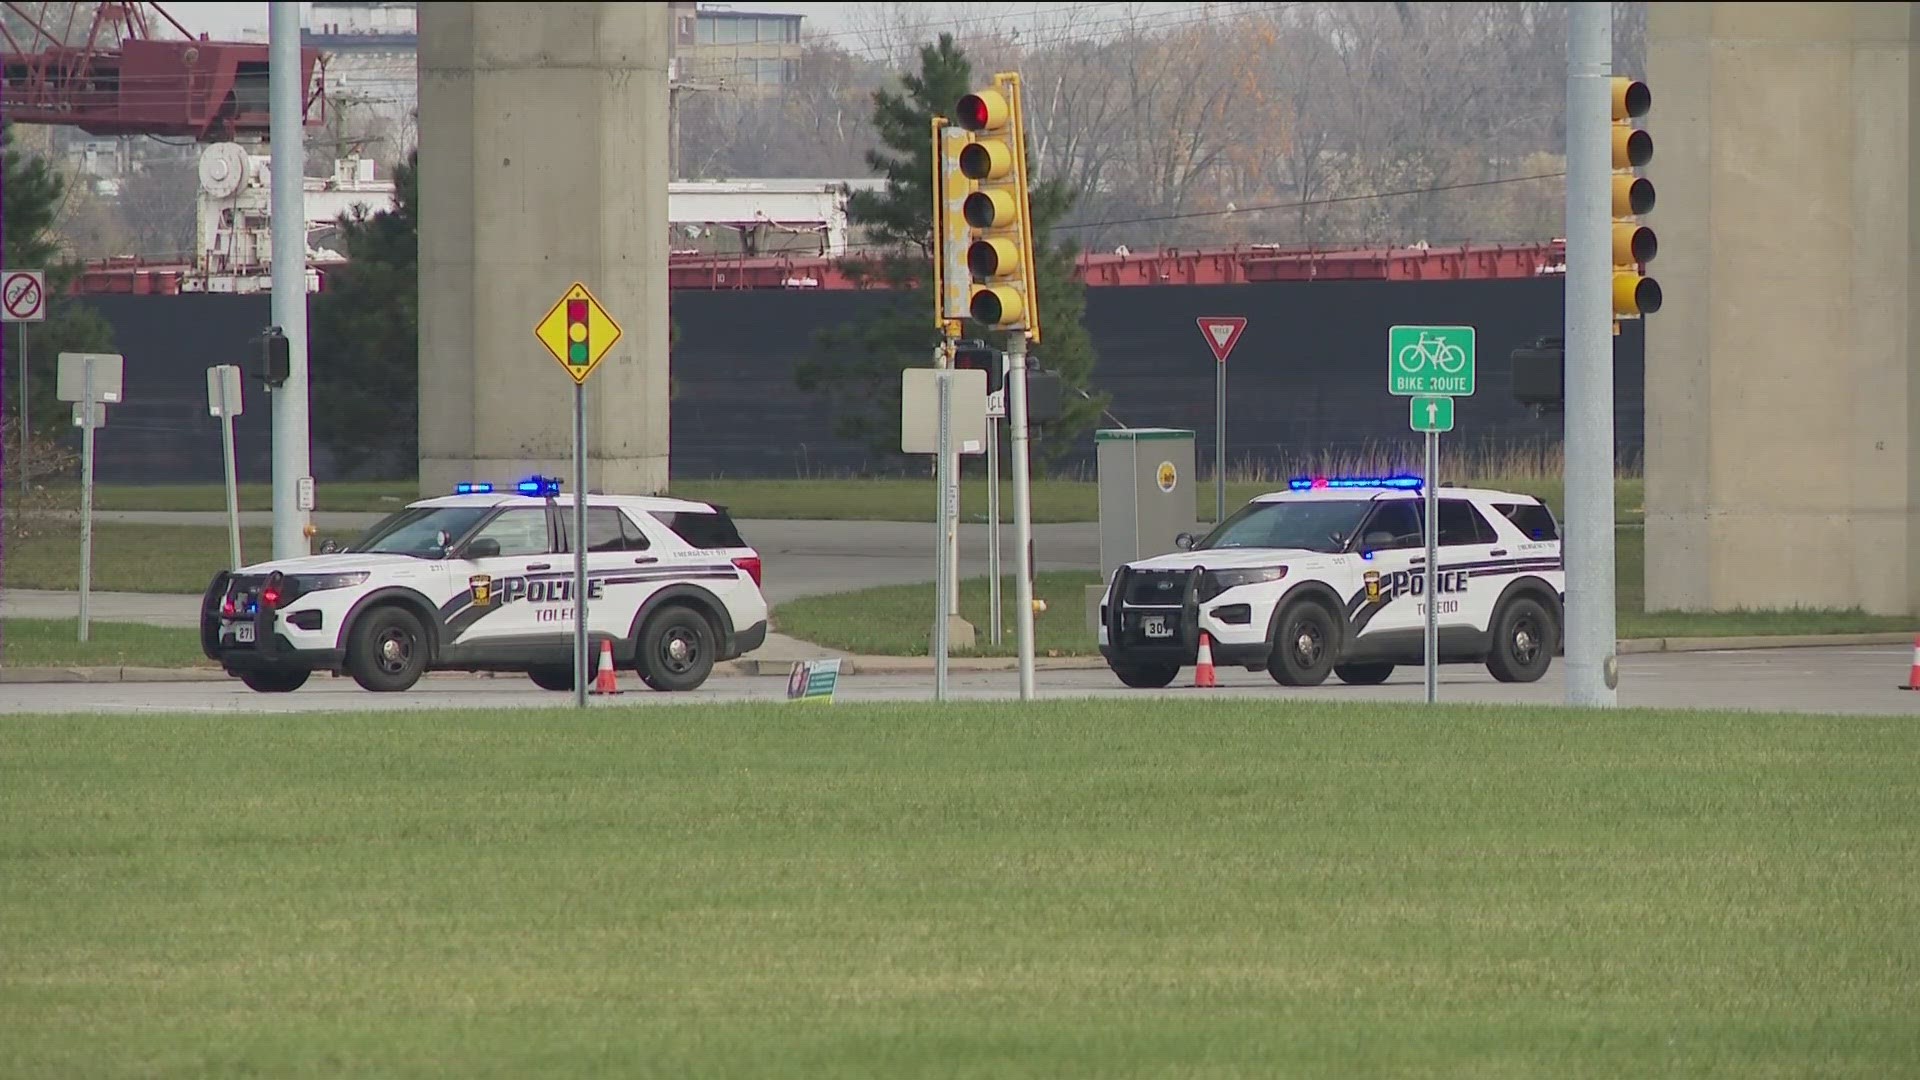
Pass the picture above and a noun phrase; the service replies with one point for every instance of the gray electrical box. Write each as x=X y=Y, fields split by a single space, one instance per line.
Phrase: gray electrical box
x=1147 y=495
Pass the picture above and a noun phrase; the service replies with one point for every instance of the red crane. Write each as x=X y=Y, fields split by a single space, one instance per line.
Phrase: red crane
x=119 y=79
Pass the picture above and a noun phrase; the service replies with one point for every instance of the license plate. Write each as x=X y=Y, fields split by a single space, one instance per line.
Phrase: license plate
x=1155 y=626
x=243 y=633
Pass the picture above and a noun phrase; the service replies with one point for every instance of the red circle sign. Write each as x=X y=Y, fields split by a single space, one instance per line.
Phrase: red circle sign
x=22 y=295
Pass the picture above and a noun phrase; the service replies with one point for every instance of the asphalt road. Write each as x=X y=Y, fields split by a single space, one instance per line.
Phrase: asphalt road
x=1855 y=679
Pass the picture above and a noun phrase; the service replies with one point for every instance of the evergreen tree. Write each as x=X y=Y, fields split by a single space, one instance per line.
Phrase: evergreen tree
x=32 y=193
x=856 y=367
x=365 y=344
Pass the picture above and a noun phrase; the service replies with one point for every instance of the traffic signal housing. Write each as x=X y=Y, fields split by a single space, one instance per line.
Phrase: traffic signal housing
x=979 y=355
x=1539 y=374
x=272 y=357
x=996 y=210
x=1634 y=244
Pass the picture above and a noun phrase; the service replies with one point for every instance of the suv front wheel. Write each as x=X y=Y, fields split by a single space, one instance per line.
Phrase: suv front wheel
x=1304 y=643
x=387 y=652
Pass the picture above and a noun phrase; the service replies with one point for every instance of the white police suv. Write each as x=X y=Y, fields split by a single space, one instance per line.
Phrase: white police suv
x=483 y=581
x=1328 y=577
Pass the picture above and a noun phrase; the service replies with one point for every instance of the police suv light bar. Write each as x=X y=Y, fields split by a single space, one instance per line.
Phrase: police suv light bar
x=1315 y=483
x=468 y=487
x=539 y=485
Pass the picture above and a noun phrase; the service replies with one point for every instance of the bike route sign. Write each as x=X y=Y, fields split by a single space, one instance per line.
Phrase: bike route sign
x=1430 y=361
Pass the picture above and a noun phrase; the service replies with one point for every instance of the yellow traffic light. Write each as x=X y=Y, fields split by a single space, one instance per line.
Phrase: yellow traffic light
x=1634 y=244
x=996 y=211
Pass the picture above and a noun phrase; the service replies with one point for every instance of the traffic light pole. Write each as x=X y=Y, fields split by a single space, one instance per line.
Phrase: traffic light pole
x=1592 y=671
x=289 y=215
x=1022 y=507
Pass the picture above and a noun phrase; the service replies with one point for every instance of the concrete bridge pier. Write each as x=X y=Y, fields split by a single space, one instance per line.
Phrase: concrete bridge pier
x=543 y=160
x=1783 y=372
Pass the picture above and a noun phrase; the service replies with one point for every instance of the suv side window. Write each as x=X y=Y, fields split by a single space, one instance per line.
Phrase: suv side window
x=521 y=531
x=608 y=530
x=1398 y=518
x=703 y=528
x=1533 y=519
x=1462 y=526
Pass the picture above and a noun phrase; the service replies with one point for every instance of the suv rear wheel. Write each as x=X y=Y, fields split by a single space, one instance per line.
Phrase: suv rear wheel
x=552 y=678
x=1524 y=639
x=677 y=648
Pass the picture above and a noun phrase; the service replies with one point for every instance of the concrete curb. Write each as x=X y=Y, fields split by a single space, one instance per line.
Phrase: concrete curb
x=912 y=665
x=1758 y=641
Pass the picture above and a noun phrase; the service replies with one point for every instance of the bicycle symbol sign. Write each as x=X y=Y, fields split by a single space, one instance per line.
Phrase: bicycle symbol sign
x=1430 y=361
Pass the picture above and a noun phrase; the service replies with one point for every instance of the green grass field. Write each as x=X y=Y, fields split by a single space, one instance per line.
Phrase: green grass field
x=135 y=558
x=56 y=643
x=1060 y=890
x=896 y=619
x=839 y=500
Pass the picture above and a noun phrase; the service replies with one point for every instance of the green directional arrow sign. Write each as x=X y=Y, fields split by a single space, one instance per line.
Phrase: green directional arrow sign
x=1426 y=360
x=1430 y=413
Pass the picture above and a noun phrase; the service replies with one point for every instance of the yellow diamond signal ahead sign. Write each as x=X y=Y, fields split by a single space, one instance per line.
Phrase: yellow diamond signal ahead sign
x=578 y=332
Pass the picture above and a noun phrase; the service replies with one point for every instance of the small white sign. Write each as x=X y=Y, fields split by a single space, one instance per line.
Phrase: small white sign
x=920 y=408
x=997 y=404
x=71 y=379
x=99 y=414
x=223 y=390
x=303 y=493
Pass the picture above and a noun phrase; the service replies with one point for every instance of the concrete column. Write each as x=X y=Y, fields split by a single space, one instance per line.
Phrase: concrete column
x=1782 y=382
x=543 y=160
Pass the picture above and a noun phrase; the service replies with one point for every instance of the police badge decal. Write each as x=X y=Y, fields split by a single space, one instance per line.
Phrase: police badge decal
x=481 y=585
x=1373 y=586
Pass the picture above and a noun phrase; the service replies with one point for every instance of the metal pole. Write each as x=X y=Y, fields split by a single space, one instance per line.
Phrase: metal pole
x=1220 y=445
x=289 y=217
x=86 y=492
x=26 y=421
x=1022 y=507
x=579 y=545
x=1432 y=636
x=994 y=615
x=943 y=476
x=1591 y=670
x=233 y=483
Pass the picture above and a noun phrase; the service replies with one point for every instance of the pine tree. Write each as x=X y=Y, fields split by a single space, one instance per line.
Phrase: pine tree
x=32 y=193
x=857 y=367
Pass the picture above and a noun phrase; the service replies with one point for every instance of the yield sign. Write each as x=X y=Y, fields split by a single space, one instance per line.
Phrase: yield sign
x=1222 y=333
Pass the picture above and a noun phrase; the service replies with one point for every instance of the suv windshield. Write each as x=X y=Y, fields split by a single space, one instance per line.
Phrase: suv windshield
x=1319 y=525
x=419 y=531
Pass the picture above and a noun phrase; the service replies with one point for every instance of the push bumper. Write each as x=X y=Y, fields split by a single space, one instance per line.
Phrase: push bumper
x=1170 y=633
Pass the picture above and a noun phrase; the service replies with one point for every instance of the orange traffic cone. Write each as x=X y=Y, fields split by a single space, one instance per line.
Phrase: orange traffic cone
x=1913 y=672
x=1203 y=669
x=603 y=681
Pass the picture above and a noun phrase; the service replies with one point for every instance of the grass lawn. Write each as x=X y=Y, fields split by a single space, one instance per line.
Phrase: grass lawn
x=896 y=619
x=841 y=499
x=1059 y=890
x=56 y=643
x=135 y=558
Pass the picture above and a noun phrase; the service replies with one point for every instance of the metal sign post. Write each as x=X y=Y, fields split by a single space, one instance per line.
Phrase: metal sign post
x=1430 y=365
x=994 y=615
x=223 y=401
x=92 y=382
x=579 y=333
x=943 y=479
x=1222 y=333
